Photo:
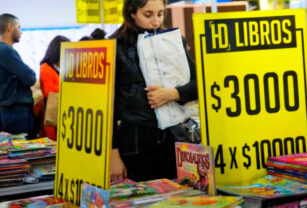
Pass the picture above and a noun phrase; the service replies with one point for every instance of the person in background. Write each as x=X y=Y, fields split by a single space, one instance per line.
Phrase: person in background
x=16 y=78
x=49 y=74
x=140 y=149
x=97 y=34
x=85 y=38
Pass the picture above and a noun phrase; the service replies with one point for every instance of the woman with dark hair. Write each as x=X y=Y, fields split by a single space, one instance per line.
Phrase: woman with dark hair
x=141 y=150
x=49 y=74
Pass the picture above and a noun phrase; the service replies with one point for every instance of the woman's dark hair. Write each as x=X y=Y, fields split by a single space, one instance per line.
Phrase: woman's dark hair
x=52 y=55
x=128 y=29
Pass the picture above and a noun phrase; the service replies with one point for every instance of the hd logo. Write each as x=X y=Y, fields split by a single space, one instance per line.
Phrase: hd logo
x=227 y=35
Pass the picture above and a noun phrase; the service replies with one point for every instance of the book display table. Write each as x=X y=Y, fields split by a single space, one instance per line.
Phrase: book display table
x=22 y=191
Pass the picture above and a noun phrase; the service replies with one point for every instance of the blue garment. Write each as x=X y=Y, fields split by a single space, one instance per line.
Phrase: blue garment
x=18 y=122
x=16 y=102
x=16 y=78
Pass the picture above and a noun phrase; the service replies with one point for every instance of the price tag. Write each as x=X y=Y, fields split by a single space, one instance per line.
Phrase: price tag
x=251 y=76
x=85 y=117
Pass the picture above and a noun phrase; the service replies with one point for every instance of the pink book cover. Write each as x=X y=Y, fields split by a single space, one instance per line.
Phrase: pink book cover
x=195 y=166
x=297 y=159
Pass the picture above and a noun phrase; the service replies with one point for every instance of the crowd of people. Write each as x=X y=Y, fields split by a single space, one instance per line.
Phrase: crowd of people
x=137 y=140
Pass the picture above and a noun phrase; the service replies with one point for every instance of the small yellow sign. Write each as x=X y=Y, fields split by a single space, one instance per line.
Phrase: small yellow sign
x=85 y=117
x=112 y=11
x=88 y=11
x=251 y=77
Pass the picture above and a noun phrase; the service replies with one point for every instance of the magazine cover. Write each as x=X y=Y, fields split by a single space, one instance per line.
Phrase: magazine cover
x=266 y=187
x=200 y=201
x=94 y=197
x=37 y=202
x=296 y=159
x=195 y=166
x=288 y=166
x=130 y=189
x=130 y=194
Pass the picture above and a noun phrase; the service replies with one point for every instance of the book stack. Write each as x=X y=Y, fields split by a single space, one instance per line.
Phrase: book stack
x=40 y=153
x=292 y=167
x=45 y=201
x=201 y=201
x=129 y=193
x=12 y=171
x=268 y=191
x=3 y=154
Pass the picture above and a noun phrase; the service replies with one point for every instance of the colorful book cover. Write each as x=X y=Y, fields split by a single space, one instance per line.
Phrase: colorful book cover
x=267 y=187
x=288 y=166
x=296 y=159
x=287 y=176
x=40 y=141
x=33 y=202
x=200 y=201
x=127 y=191
x=94 y=197
x=195 y=166
x=289 y=172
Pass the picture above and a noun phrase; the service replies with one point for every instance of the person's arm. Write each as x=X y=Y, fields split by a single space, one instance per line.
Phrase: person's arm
x=117 y=167
x=158 y=96
x=22 y=71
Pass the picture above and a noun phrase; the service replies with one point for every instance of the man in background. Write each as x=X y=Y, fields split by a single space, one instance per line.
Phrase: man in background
x=16 y=78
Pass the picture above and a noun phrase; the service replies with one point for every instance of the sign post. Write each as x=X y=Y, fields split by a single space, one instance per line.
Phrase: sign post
x=251 y=74
x=85 y=117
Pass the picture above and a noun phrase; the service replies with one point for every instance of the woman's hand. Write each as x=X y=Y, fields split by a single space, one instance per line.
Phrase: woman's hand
x=158 y=96
x=117 y=167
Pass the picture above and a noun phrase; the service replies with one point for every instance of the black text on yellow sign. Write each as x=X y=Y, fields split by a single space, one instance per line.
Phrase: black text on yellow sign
x=82 y=129
x=85 y=117
x=251 y=77
x=251 y=88
x=255 y=154
x=70 y=189
x=250 y=34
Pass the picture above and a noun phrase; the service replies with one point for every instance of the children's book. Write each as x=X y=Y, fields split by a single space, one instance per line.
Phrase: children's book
x=267 y=187
x=130 y=194
x=37 y=202
x=130 y=189
x=94 y=197
x=195 y=166
x=296 y=159
x=200 y=201
x=288 y=166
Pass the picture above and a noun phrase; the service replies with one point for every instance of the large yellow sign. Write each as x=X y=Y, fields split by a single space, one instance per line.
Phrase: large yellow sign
x=85 y=117
x=88 y=11
x=251 y=76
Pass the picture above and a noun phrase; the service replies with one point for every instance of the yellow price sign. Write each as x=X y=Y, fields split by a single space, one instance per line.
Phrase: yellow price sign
x=88 y=11
x=112 y=11
x=85 y=117
x=251 y=77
